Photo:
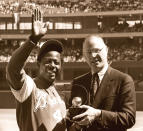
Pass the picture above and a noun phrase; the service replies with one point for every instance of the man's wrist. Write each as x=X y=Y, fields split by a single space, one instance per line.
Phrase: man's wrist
x=33 y=40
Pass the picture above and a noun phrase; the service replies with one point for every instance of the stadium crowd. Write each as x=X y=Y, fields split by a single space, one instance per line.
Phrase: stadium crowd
x=72 y=6
x=69 y=6
x=74 y=54
x=122 y=26
x=125 y=50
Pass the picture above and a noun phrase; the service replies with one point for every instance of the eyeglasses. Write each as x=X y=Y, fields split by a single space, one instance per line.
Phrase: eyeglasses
x=96 y=51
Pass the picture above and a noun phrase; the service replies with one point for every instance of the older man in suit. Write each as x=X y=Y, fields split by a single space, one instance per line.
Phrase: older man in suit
x=109 y=101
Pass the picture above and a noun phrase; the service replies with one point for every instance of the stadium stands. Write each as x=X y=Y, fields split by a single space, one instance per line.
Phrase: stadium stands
x=70 y=6
x=125 y=49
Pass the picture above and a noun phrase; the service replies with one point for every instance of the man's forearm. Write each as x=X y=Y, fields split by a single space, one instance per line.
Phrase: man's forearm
x=17 y=62
x=20 y=55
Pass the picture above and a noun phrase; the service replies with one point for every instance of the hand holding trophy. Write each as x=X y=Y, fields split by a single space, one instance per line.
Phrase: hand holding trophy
x=81 y=113
x=79 y=99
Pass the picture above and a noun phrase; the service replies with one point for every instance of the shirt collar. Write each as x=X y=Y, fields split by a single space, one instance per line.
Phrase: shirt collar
x=102 y=72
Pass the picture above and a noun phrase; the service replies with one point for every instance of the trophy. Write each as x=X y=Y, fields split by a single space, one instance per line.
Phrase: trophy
x=80 y=98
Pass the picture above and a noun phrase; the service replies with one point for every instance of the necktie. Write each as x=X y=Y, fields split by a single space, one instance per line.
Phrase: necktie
x=94 y=87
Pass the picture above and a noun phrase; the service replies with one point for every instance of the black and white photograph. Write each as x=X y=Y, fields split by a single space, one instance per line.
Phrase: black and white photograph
x=71 y=65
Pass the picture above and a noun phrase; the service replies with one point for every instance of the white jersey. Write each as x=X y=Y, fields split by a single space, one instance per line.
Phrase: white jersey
x=47 y=108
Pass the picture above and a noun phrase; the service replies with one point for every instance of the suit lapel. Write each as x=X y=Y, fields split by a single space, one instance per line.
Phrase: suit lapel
x=86 y=81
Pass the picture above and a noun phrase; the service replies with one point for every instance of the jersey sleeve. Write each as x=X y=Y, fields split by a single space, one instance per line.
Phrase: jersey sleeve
x=26 y=90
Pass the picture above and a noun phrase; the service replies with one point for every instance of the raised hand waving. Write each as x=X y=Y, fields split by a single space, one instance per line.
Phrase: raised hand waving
x=39 y=28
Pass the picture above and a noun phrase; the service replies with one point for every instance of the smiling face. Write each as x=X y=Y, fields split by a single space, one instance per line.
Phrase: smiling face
x=95 y=53
x=50 y=66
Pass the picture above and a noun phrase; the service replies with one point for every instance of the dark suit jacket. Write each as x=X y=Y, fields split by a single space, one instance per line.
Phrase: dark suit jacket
x=115 y=97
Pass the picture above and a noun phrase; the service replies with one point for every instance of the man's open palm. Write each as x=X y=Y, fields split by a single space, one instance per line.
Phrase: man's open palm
x=39 y=28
